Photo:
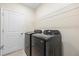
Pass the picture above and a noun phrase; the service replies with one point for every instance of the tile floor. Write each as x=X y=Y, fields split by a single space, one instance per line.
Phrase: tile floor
x=17 y=53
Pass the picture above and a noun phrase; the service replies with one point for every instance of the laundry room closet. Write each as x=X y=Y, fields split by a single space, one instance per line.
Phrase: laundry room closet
x=16 y=19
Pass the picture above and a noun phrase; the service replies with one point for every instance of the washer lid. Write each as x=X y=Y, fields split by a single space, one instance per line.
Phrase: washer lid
x=43 y=36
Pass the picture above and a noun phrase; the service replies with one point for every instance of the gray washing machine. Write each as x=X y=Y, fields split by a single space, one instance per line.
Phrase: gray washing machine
x=28 y=43
x=28 y=36
x=48 y=43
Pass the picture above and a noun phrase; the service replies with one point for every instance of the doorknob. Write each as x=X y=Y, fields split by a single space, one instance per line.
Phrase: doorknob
x=21 y=33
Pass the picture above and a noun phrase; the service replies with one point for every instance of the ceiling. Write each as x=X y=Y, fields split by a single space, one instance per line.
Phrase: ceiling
x=32 y=5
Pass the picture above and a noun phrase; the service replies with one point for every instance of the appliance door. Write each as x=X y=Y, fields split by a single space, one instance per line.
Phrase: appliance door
x=37 y=47
x=53 y=47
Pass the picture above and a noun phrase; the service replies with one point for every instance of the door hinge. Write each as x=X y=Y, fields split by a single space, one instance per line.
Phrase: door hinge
x=1 y=47
x=2 y=30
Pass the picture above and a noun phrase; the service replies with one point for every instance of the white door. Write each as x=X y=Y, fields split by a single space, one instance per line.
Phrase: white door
x=13 y=34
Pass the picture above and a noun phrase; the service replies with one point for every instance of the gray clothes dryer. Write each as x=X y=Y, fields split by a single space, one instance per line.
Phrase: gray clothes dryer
x=28 y=45
x=46 y=45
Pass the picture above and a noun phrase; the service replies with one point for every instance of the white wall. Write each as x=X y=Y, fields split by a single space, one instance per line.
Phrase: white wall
x=64 y=17
x=28 y=14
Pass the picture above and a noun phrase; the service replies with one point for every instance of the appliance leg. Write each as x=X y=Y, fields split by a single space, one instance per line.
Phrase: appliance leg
x=31 y=45
x=44 y=48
